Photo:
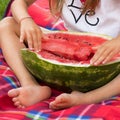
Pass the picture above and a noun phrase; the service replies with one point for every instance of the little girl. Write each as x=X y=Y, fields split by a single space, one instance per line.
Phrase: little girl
x=97 y=16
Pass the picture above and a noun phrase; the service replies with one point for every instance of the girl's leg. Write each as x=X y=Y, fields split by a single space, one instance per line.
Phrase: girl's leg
x=30 y=91
x=76 y=98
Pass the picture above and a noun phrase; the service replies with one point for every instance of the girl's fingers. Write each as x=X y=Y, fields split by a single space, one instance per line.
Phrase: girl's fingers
x=103 y=57
x=39 y=36
x=30 y=41
x=22 y=37
x=95 y=48
x=36 y=40
x=39 y=41
x=33 y=38
x=97 y=57
x=107 y=59
x=110 y=56
x=100 y=56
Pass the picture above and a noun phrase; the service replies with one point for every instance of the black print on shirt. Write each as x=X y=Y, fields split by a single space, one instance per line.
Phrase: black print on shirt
x=86 y=19
x=78 y=17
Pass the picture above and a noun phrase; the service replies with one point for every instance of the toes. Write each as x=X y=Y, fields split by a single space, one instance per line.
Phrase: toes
x=21 y=106
x=57 y=106
x=60 y=102
x=22 y=96
x=15 y=99
x=51 y=105
x=63 y=98
x=13 y=92
x=54 y=106
x=18 y=104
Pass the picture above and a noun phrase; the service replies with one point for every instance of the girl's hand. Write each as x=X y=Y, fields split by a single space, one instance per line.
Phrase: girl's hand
x=30 y=33
x=106 y=51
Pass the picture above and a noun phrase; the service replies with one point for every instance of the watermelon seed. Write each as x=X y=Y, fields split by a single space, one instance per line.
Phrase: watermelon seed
x=87 y=43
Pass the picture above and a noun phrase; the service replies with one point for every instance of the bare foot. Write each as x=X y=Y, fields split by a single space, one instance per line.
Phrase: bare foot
x=67 y=100
x=26 y=96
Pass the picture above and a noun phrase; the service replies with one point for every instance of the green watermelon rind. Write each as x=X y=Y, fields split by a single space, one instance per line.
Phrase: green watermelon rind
x=69 y=77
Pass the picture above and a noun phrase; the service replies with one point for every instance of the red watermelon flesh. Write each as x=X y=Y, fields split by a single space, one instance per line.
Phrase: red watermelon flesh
x=67 y=49
x=70 y=48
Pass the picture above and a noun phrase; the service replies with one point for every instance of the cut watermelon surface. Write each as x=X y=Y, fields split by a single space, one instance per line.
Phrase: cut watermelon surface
x=65 y=47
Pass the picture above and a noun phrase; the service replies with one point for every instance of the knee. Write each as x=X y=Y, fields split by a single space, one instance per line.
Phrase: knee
x=7 y=23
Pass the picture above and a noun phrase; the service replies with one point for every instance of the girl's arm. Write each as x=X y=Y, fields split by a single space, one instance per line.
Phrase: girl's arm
x=29 y=31
x=19 y=9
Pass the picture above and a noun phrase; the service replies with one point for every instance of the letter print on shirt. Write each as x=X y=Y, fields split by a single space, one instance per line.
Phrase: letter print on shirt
x=77 y=16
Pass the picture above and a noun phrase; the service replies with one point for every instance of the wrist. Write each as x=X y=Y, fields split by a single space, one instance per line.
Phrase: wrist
x=24 y=18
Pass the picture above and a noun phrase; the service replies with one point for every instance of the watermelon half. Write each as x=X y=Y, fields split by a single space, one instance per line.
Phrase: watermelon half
x=64 y=62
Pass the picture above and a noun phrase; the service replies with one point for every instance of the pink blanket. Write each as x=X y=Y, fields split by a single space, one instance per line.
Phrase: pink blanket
x=106 y=110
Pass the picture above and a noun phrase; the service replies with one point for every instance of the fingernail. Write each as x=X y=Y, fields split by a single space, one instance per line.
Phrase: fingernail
x=91 y=63
x=95 y=63
x=31 y=48
x=38 y=51
x=103 y=62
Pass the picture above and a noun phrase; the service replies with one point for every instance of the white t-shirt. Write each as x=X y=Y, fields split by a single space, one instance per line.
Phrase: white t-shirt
x=106 y=19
